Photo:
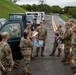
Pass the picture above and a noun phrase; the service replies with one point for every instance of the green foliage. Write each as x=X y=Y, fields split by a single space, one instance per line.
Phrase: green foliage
x=43 y=7
x=65 y=18
x=56 y=9
x=74 y=15
x=7 y=7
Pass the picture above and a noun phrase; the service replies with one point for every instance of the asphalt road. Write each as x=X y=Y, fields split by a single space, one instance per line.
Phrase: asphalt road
x=58 y=21
x=47 y=65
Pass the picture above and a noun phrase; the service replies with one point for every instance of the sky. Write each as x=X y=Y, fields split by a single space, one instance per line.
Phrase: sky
x=61 y=3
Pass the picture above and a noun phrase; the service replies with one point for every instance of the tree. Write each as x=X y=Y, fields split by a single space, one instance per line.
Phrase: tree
x=56 y=9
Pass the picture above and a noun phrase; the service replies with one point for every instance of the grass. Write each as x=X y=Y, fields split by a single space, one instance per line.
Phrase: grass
x=65 y=18
x=7 y=7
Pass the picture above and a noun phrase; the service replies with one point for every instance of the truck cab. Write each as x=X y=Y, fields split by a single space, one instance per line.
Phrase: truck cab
x=37 y=16
x=15 y=27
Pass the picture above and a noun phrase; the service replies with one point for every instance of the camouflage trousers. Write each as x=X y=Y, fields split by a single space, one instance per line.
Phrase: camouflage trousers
x=55 y=46
x=74 y=54
x=7 y=72
x=26 y=59
x=26 y=52
x=42 y=49
x=67 y=51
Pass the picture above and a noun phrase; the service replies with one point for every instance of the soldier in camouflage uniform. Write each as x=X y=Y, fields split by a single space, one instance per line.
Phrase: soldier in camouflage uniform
x=6 y=55
x=74 y=48
x=25 y=46
x=28 y=30
x=1 y=65
x=42 y=35
x=58 y=32
x=1 y=68
x=14 y=32
x=71 y=21
x=67 y=44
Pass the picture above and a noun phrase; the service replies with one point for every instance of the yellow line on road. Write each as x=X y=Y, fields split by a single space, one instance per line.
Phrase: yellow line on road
x=53 y=24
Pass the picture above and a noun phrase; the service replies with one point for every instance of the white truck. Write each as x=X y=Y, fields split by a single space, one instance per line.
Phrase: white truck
x=43 y=16
x=37 y=16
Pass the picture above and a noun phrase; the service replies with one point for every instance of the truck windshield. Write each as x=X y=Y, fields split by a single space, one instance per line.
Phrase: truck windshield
x=15 y=17
x=29 y=18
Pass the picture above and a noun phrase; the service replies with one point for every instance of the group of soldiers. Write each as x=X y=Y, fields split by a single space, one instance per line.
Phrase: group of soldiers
x=68 y=38
x=26 y=47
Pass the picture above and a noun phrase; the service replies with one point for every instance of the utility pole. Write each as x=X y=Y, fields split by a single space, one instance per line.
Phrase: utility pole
x=42 y=2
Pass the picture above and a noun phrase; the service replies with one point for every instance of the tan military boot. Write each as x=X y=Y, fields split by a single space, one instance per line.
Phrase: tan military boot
x=74 y=67
x=16 y=67
x=29 y=73
x=67 y=62
x=74 y=71
x=25 y=74
x=36 y=55
x=32 y=57
x=63 y=60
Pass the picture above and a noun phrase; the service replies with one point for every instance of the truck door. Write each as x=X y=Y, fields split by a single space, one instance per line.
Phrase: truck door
x=15 y=31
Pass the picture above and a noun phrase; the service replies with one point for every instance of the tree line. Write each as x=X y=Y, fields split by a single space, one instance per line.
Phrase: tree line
x=70 y=10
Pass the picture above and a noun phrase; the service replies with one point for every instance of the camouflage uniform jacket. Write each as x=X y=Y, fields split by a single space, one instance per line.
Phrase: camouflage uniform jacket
x=60 y=33
x=42 y=33
x=67 y=37
x=6 y=55
x=25 y=46
x=14 y=32
x=73 y=42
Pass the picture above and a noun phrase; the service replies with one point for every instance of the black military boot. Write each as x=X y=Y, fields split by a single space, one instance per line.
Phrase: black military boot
x=42 y=53
x=37 y=53
x=59 y=52
x=52 y=54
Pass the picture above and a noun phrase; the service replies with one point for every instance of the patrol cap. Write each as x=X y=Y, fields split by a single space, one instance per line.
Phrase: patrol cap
x=71 y=20
x=74 y=27
x=67 y=24
x=4 y=34
x=28 y=24
x=59 y=25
